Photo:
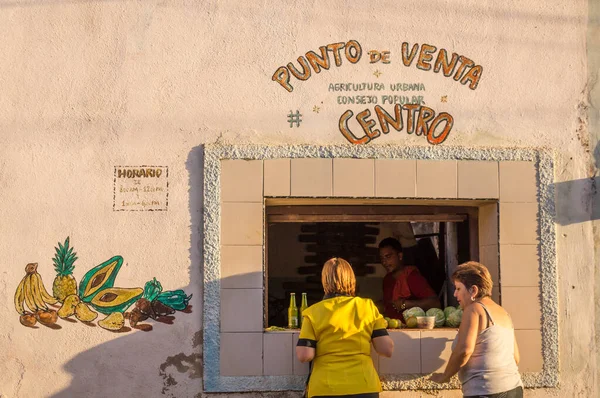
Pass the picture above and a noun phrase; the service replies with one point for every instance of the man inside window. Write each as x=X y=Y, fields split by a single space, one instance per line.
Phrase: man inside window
x=403 y=286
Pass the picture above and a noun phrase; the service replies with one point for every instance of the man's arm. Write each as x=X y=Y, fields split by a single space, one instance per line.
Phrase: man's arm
x=424 y=303
x=390 y=310
x=388 y=299
x=424 y=296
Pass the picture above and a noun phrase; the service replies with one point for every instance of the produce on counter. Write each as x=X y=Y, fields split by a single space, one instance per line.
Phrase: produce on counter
x=415 y=311
x=64 y=262
x=440 y=318
x=275 y=329
x=449 y=310
x=411 y=322
x=454 y=318
x=394 y=324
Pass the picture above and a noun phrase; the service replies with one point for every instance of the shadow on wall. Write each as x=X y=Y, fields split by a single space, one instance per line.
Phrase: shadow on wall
x=163 y=357
x=136 y=364
x=431 y=359
x=596 y=185
x=402 y=366
x=168 y=359
x=578 y=201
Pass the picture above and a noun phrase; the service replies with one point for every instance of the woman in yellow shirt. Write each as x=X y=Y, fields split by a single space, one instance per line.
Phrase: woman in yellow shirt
x=337 y=334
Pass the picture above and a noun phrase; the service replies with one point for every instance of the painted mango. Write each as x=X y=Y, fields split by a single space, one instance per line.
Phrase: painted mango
x=114 y=321
x=115 y=299
x=69 y=305
x=83 y=313
x=99 y=278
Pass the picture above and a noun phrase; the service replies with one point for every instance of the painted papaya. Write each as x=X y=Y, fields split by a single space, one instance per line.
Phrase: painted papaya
x=115 y=299
x=99 y=278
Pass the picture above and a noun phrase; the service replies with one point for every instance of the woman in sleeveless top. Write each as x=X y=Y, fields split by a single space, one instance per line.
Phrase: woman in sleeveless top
x=485 y=353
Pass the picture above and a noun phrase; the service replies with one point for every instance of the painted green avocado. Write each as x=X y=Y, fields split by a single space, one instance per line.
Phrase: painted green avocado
x=115 y=299
x=99 y=278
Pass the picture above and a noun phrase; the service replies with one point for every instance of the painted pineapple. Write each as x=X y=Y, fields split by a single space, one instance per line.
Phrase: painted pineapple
x=64 y=284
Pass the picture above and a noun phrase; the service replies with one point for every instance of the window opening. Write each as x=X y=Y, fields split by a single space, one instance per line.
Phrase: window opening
x=301 y=238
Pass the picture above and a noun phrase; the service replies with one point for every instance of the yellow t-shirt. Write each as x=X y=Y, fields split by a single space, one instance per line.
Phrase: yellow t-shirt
x=341 y=329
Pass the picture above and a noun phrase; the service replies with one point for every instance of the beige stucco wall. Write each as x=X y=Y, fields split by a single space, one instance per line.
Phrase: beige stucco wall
x=87 y=86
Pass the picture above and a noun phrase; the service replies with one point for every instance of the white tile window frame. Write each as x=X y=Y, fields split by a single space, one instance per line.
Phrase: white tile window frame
x=213 y=154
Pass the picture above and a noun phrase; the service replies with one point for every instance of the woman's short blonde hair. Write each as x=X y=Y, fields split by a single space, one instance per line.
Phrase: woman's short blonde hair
x=338 y=278
x=473 y=273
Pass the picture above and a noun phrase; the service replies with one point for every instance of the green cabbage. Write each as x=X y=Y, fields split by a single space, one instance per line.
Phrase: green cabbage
x=440 y=318
x=449 y=310
x=454 y=318
x=415 y=311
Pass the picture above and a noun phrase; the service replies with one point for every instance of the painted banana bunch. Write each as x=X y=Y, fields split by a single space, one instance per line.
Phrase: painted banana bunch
x=32 y=293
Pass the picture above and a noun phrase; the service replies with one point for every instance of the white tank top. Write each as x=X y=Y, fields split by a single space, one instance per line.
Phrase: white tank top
x=491 y=368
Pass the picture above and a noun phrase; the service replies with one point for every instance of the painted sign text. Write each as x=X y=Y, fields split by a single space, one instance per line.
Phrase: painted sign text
x=143 y=188
x=420 y=120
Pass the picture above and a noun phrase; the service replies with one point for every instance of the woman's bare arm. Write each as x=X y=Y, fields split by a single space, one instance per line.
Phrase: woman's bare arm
x=384 y=346
x=305 y=354
x=517 y=354
x=467 y=336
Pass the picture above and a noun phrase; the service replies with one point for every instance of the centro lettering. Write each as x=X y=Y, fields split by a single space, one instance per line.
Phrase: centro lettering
x=420 y=120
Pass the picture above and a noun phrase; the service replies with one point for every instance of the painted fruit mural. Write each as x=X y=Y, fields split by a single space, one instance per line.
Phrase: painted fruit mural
x=96 y=294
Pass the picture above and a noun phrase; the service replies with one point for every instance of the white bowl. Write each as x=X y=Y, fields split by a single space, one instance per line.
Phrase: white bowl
x=425 y=322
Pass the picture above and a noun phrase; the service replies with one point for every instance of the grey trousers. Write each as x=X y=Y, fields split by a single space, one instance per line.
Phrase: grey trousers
x=514 y=393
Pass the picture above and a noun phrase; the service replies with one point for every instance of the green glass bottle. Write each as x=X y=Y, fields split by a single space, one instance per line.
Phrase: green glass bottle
x=293 y=312
x=303 y=306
